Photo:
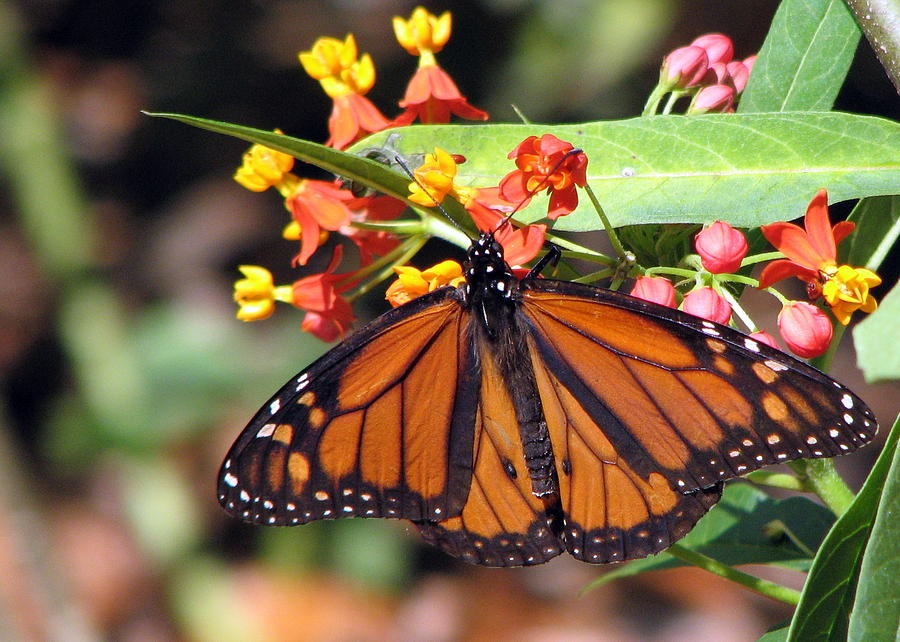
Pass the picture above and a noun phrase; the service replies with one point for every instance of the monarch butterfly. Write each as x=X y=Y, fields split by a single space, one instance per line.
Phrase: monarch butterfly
x=513 y=419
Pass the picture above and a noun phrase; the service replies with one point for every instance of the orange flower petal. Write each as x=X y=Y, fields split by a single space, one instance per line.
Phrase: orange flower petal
x=782 y=269
x=818 y=228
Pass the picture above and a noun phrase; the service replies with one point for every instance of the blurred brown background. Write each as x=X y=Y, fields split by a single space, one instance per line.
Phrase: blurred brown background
x=125 y=375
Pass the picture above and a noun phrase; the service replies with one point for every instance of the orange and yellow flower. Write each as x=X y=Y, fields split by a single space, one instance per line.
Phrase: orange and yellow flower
x=263 y=168
x=412 y=282
x=346 y=79
x=316 y=206
x=546 y=163
x=811 y=254
x=431 y=95
x=328 y=314
x=490 y=214
x=847 y=290
x=256 y=293
x=434 y=179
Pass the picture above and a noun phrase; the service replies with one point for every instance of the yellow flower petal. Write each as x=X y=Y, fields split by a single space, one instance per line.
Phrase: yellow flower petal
x=423 y=32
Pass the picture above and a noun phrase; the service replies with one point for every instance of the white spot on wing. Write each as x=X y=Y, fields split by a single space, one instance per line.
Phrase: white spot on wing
x=847 y=400
x=750 y=344
x=275 y=406
x=230 y=479
x=266 y=431
x=775 y=365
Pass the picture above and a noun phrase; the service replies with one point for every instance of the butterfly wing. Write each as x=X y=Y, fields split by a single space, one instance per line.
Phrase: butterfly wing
x=502 y=523
x=650 y=408
x=380 y=426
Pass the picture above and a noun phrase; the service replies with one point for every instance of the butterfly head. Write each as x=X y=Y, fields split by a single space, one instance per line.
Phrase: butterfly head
x=487 y=274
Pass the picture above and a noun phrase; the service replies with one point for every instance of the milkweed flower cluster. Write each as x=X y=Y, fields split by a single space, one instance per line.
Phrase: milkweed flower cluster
x=811 y=254
x=704 y=70
x=318 y=208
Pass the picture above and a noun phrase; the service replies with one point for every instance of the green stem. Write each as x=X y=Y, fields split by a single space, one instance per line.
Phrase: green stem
x=595 y=276
x=403 y=226
x=759 y=258
x=652 y=103
x=662 y=269
x=820 y=476
x=737 y=308
x=410 y=248
x=613 y=237
x=577 y=251
x=442 y=228
x=880 y=21
x=778 y=480
x=764 y=587
x=670 y=103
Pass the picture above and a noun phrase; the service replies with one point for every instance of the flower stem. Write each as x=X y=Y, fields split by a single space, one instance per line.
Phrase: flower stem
x=653 y=100
x=820 y=476
x=879 y=20
x=764 y=587
x=737 y=308
x=778 y=480
x=613 y=237
x=404 y=253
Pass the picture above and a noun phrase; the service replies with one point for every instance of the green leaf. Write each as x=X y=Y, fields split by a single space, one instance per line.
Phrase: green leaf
x=824 y=609
x=805 y=58
x=876 y=338
x=747 y=169
x=877 y=230
x=876 y=610
x=750 y=170
x=778 y=635
x=746 y=527
x=362 y=170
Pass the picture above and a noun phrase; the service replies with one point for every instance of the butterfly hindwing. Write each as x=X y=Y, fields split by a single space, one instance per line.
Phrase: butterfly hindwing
x=381 y=426
x=611 y=512
x=503 y=523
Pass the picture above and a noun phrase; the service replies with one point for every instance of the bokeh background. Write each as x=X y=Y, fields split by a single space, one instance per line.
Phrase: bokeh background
x=125 y=375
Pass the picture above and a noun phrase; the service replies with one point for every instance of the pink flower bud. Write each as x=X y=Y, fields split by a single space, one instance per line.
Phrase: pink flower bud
x=764 y=337
x=714 y=98
x=719 y=47
x=684 y=67
x=656 y=289
x=706 y=303
x=721 y=248
x=717 y=74
x=805 y=329
x=738 y=73
x=749 y=61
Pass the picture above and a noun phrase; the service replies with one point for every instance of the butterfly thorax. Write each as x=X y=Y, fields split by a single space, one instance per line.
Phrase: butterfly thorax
x=490 y=286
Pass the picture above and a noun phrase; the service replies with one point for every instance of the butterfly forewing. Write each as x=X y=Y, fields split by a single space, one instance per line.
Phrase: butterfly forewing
x=379 y=427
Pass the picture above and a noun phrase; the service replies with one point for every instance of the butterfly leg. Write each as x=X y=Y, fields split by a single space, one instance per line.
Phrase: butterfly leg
x=550 y=258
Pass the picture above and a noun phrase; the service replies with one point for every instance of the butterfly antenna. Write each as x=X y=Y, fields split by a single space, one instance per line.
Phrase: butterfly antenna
x=402 y=163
